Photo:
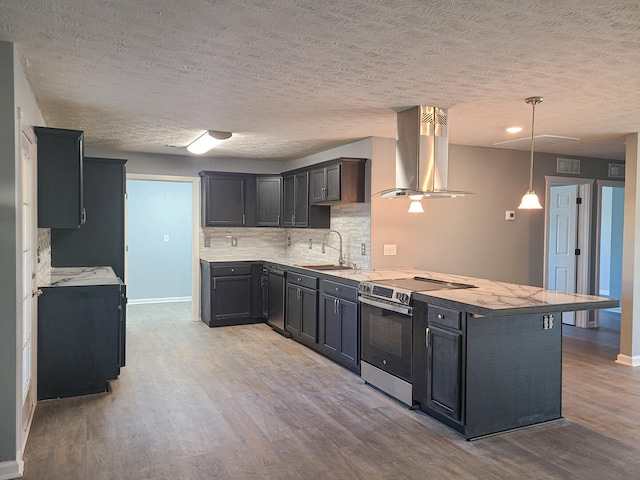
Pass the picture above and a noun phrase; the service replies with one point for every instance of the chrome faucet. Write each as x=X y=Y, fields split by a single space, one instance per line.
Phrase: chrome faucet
x=341 y=258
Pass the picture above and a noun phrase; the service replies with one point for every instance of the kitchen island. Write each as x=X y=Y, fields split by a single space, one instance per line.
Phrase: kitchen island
x=483 y=360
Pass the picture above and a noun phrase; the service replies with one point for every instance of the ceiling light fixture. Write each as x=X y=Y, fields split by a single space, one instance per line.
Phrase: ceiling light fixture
x=207 y=141
x=530 y=199
x=513 y=129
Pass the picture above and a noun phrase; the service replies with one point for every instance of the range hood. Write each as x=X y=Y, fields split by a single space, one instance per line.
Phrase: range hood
x=422 y=155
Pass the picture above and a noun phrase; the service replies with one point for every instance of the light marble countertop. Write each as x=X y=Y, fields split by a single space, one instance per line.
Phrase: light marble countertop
x=81 y=276
x=489 y=297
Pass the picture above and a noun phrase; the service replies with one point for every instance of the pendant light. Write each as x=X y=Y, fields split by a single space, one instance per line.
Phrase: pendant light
x=530 y=199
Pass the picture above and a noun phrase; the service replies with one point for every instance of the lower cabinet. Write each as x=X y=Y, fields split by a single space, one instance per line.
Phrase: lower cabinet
x=81 y=336
x=339 y=325
x=481 y=374
x=301 y=314
x=227 y=294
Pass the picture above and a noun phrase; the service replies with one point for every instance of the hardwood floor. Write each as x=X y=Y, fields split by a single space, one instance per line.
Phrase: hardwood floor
x=245 y=403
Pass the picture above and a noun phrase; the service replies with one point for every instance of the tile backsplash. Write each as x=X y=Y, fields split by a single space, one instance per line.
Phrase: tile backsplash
x=43 y=266
x=353 y=221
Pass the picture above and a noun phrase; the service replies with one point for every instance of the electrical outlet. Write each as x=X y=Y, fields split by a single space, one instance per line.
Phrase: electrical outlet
x=234 y=241
x=207 y=241
x=310 y=244
x=288 y=240
x=510 y=215
x=166 y=239
x=389 y=249
x=363 y=249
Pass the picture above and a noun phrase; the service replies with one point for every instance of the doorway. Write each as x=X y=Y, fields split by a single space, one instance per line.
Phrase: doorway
x=568 y=240
x=162 y=237
x=609 y=252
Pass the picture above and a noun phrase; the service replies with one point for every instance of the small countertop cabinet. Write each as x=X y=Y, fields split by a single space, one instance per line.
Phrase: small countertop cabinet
x=338 y=181
x=230 y=293
x=482 y=374
x=60 y=180
x=81 y=332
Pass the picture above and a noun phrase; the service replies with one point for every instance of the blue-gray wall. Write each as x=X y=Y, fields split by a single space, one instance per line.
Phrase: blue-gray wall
x=158 y=269
x=617 y=230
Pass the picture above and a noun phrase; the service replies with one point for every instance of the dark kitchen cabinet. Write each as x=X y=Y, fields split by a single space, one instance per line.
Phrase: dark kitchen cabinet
x=296 y=209
x=228 y=199
x=438 y=360
x=100 y=241
x=338 y=181
x=227 y=294
x=60 y=181
x=484 y=374
x=268 y=200
x=339 y=323
x=301 y=315
x=81 y=339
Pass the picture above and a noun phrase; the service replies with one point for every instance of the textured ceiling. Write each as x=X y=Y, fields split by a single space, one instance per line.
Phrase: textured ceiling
x=291 y=78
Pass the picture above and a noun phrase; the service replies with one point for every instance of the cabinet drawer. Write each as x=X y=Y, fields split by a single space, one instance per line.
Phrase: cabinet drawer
x=339 y=290
x=444 y=316
x=302 y=280
x=231 y=271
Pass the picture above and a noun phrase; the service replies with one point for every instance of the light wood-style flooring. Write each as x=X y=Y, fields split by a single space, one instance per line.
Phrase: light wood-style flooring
x=245 y=403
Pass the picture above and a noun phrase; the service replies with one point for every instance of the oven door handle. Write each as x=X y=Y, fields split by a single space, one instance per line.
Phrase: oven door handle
x=387 y=306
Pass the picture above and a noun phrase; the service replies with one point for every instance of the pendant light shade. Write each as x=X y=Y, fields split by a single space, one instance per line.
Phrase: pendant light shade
x=530 y=199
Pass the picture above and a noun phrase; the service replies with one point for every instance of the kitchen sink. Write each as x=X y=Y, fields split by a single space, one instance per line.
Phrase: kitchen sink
x=326 y=267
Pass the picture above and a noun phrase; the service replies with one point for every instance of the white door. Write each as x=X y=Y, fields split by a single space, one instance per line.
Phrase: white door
x=29 y=288
x=562 y=242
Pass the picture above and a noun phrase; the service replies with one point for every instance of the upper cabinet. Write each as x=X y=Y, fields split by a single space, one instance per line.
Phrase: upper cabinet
x=224 y=199
x=268 y=200
x=60 y=191
x=296 y=209
x=338 y=181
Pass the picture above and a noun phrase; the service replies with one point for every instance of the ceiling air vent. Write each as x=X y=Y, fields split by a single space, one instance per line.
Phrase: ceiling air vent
x=616 y=170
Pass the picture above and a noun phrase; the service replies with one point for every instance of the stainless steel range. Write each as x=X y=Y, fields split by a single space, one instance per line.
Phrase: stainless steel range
x=386 y=310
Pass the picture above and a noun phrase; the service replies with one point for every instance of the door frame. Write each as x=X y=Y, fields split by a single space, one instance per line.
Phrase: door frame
x=195 y=233
x=583 y=265
x=599 y=185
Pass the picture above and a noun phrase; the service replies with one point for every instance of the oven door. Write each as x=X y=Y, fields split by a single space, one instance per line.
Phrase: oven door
x=386 y=336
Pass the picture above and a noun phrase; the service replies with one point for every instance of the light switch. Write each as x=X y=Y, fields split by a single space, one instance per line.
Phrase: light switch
x=166 y=239
x=389 y=248
x=510 y=215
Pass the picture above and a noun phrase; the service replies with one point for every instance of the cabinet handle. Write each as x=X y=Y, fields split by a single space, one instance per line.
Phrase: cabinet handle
x=427 y=342
x=441 y=316
x=243 y=219
x=337 y=306
x=278 y=219
x=83 y=220
x=298 y=293
x=293 y=219
x=214 y=283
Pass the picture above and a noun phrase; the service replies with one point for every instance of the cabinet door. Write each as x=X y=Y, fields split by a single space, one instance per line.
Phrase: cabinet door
x=100 y=241
x=288 y=200
x=230 y=299
x=268 y=201
x=301 y=212
x=331 y=331
x=349 y=334
x=60 y=182
x=309 y=318
x=318 y=185
x=444 y=379
x=332 y=183
x=293 y=316
x=223 y=200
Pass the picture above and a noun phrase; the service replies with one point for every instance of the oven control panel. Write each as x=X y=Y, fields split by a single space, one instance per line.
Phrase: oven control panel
x=394 y=295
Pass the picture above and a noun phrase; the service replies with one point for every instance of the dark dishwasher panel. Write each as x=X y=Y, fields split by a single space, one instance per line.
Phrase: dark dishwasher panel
x=275 y=309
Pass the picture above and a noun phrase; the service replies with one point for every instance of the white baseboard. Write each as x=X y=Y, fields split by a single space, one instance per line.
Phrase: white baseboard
x=158 y=300
x=11 y=469
x=628 y=361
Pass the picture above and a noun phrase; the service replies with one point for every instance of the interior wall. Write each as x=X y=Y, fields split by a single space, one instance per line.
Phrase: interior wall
x=463 y=235
x=8 y=255
x=158 y=269
x=617 y=222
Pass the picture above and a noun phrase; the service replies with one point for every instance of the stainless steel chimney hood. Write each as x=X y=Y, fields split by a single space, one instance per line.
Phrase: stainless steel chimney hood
x=422 y=154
